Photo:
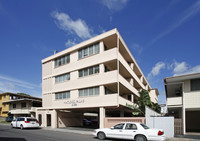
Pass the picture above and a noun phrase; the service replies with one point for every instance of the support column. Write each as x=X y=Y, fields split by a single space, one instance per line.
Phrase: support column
x=132 y=98
x=101 y=68
x=132 y=66
x=54 y=121
x=102 y=90
x=101 y=46
x=101 y=117
x=183 y=110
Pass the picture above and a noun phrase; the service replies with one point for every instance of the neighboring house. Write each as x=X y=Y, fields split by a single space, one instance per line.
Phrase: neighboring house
x=163 y=110
x=20 y=105
x=183 y=100
x=98 y=76
x=4 y=107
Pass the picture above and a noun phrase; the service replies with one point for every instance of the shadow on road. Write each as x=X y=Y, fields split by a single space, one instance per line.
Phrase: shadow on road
x=11 y=139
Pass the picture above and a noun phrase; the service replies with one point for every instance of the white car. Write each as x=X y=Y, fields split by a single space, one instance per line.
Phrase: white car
x=130 y=131
x=25 y=122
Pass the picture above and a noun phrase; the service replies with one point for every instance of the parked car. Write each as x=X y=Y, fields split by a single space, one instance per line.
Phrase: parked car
x=25 y=122
x=9 y=119
x=86 y=122
x=130 y=131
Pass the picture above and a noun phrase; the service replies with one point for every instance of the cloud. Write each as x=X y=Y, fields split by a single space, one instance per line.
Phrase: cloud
x=114 y=5
x=156 y=69
x=70 y=43
x=78 y=27
x=18 y=82
x=13 y=85
x=137 y=48
x=187 y=14
x=181 y=68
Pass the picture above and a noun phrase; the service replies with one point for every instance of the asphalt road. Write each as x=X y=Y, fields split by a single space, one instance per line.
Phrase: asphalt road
x=9 y=134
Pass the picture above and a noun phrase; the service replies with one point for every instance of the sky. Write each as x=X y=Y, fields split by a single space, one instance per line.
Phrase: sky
x=163 y=36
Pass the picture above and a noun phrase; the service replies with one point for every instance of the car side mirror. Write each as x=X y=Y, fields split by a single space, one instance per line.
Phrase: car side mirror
x=112 y=128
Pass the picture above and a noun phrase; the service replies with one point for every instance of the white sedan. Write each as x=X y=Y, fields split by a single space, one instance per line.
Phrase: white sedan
x=25 y=122
x=130 y=131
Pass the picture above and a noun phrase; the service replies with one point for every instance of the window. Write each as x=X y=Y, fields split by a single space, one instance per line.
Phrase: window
x=23 y=104
x=130 y=126
x=119 y=126
x=20 y=119
x=62 y=60
x=62 y=78
x=89 y=92
x=89 y=71
x=62 y=95
x=88 y=51
x=4 y=105
x=14 y=105
x=144 y=126
x=4 y=96
x=195 y=84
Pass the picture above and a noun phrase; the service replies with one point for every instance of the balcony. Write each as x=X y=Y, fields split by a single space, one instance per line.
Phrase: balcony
x=174 y=101
x=23 y=111
x=126 y=65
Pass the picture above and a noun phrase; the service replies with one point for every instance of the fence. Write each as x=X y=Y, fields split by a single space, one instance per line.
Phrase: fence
x=111 y=121
x=178 y=126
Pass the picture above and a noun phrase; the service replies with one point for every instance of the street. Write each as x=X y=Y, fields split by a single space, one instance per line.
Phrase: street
x=11 y=134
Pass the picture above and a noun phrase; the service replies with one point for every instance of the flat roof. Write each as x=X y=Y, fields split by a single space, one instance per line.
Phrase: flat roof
x=181 y=77
x=82 y=44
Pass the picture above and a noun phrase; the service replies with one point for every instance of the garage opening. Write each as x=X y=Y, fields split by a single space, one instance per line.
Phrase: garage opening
x=192 y=121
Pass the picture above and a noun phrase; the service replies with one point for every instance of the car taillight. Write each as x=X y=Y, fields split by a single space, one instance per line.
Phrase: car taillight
x=27 y=121
x=160 y=133
x=37 y=121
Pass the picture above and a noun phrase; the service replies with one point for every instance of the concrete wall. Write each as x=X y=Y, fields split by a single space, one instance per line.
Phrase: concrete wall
x=154 y=121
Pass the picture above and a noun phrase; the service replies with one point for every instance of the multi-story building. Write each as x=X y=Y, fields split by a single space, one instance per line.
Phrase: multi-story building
x=17 y=105
x=4 y=108
x=183 y=100
x=99 y=75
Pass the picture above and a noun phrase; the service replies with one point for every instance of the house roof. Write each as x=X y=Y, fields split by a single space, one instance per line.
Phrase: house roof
x=19 y=95
x=181 y=77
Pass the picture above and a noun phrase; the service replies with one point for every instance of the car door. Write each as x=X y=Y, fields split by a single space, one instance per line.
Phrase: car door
x=116 y=131
x=14 y=122
x=129 y=131
x=18 y=122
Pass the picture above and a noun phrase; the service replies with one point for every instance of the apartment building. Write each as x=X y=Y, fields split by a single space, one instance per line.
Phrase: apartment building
x=183 y=100
x=4 y=108
x=17 y=105
x=99 y=76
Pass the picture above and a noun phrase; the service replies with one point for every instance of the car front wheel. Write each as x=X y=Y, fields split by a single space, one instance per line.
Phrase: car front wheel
x=101 y=136
x=21 y=127
x=12 y=126
x=140 y=138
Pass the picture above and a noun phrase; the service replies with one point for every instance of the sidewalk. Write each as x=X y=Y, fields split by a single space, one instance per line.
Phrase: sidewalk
x=76 y=130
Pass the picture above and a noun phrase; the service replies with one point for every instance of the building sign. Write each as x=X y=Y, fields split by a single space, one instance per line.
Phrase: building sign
x=74 y=102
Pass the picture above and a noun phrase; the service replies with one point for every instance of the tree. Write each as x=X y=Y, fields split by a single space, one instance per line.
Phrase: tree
x=145 y=100
x=23 y=94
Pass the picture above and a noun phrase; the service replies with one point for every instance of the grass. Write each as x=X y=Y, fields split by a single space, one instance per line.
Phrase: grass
x=5 y=122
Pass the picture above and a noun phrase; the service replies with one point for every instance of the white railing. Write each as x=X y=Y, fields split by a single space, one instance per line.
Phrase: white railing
x=174 y=101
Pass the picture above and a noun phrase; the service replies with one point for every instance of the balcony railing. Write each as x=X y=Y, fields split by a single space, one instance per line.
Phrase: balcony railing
x=174 y=101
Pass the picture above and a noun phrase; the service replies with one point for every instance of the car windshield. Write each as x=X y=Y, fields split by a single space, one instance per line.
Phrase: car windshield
x=31 y=119
x=144 y=126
